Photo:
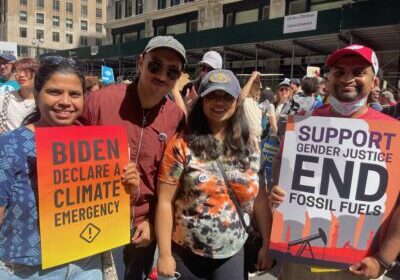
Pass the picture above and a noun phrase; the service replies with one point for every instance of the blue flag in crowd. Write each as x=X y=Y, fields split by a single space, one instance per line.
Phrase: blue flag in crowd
x=107 y=75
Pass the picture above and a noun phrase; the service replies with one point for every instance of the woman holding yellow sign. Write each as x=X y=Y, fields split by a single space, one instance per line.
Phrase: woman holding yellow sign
x=59 y=88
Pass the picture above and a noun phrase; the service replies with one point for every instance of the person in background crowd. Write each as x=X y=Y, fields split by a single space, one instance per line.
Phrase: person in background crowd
x=295 y=84
x=373 y=99
x=93 y=83
x=59 y=88
x=393 y=111
x=211 y=60
x=194 y=207
x=387 y=99
x=250 y=94
x=351 y=78
x=16 y=105
x=151 y=119
x=320 y=95
x=7 y=79
x=308 y=100
x=282 y=105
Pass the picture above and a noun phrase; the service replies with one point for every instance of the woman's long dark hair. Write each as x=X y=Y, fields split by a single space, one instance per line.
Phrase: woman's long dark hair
x=46 y=70
x=236 y=141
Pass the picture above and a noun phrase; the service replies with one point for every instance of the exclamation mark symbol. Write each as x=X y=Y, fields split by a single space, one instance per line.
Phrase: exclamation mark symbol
x=90 y=233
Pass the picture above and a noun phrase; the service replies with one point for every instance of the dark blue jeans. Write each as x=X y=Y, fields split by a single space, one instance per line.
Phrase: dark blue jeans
x=138 y=261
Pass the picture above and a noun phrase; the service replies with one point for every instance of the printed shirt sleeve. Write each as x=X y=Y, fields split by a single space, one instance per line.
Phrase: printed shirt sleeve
x=173 y=161
x=6 y=172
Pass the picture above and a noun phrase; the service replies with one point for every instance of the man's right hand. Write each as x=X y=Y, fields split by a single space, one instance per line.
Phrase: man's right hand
x=276 y=197
x=166 y=265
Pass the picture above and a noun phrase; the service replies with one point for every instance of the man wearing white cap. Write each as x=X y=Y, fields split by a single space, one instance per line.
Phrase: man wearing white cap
x=351 y=78
x=211 y=60
x=150 y=120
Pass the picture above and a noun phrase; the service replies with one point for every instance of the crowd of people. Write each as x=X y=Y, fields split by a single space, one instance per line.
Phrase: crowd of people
x=195 y=158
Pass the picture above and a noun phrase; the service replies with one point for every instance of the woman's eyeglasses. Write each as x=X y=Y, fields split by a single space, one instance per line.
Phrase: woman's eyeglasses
x=156 y=67
x=26 y=72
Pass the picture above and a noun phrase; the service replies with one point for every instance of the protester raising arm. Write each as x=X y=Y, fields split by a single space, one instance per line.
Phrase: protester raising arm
x=255 y=76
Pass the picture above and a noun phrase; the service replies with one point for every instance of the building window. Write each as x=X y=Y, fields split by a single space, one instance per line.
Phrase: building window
x=56 y=37
x=297 y=7
x=175 y=2
x=117 y=38
x=246 y=16
x=56 y=5
x=84 y=25
x=179 y=28
x=99 y=1
x=83 y=10
x=69 y=7
x=68 y=23
x=84 y=41
x=162 y=4
x=56 y=21
x=139 y=7
x=129 y=37
x=40 y=18
x=193 y=25
x=187 y=1
x=229 y=19
x=23 y=51
x=99 y=13
x=160 y=30
x=40 y=4
x=118 y=10
x=98 y=42
x=23 y=16
x=23 y=2
x=69 y=38
x=39 y=33
x=99 y=27
x=128 y=8
x=265 y=13
x=23 y=32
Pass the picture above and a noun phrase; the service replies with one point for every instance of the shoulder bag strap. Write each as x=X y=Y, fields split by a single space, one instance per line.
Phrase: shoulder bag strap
x=3 y=112
x=233 y=197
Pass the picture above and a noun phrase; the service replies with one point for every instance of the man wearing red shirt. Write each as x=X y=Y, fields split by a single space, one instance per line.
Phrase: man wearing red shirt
x=351 y=78
x=150 y=119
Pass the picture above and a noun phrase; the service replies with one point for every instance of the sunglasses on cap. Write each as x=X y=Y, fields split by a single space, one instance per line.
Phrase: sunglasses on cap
x=156 y=67
x=56 y=59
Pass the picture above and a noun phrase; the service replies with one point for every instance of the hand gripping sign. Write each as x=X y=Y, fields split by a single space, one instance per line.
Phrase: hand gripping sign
x=341 y=181
x=83 y=207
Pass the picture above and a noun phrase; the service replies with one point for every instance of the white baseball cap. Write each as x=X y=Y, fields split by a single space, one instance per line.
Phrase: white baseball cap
x=212 y=59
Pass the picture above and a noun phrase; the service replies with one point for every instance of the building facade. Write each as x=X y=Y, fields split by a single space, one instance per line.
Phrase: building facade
x=137 y=19
x=40 y=26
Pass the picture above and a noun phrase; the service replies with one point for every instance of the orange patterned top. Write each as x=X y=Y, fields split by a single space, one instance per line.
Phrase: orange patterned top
x=205 y=218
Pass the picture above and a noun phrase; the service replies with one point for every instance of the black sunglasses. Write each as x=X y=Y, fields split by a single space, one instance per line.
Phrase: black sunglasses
x=205 y=68
x=156 y=67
